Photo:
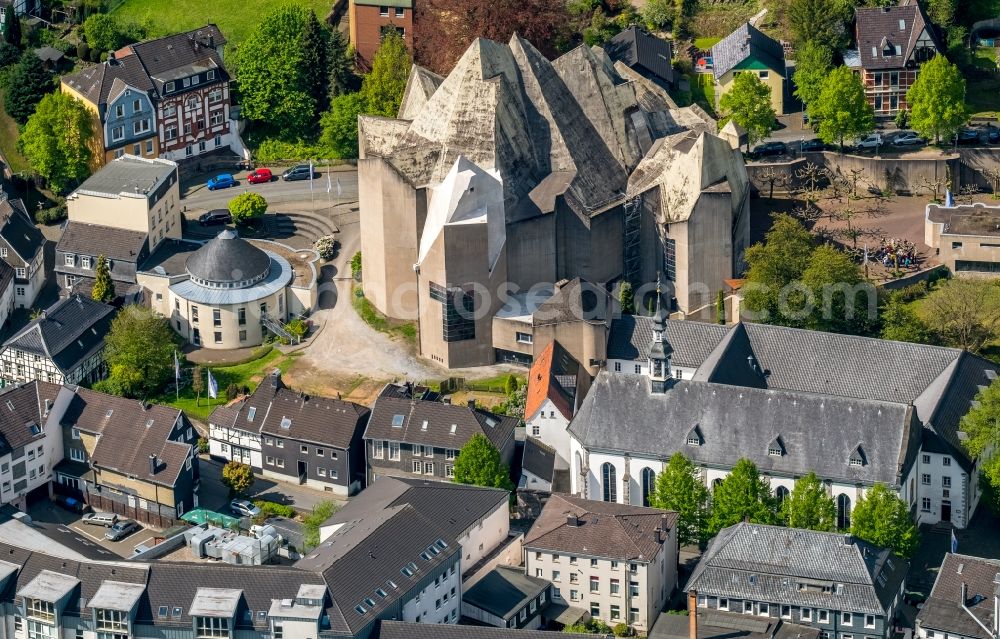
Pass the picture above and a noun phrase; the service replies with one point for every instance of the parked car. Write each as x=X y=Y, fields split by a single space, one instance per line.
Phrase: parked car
x=968 y=136
x=769 y=149
x=300 y=172
x=71 y=504
x=122 y=529
x=908 y=138
x=100 y=519
x=221 y=181
x=992 y=135
x=870 y=141
x=814 y=144
x=244 y=508
x=216 y=216
x=260 y=176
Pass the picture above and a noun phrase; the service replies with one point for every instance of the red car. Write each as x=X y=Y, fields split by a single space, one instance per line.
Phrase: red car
x=259 y=176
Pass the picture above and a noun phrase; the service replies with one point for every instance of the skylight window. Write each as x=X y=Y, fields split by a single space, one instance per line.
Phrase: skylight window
x=453 y=428
x=360 y=609
x=286 y=423
x=432 y=550
x=412 y=566
x=392 y=584
x=440 y=543
x=397 y=421
x=110 y=412
x=176 y=613
x=149 y=423
x=406 y=571
x=425 y=556
x=162 y=612
x=251 y=412
x=381 y=593
x=423 y=426
x=491 y=422
x=261 y=614
x=370 y=602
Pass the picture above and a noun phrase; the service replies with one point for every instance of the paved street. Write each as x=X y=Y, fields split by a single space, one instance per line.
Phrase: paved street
x=196 y=196
x=215 y=496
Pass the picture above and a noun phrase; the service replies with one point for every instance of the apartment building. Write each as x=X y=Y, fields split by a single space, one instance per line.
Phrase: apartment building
x=29 y=445
x=616 y=561
x=22 y=247
x=965 y=600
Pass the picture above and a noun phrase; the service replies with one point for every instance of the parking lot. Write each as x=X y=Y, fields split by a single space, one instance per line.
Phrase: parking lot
x=69 y=529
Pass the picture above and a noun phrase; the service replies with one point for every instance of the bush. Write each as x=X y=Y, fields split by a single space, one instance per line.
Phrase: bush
x=326 y=246
x=83 y=51
x=622 y=630
x=232 y=391
x=51 y=215
x=247 y=207
x=356 y=266
x=297 y=328
x=274 y=151
x=202 y=446
x=274 y=509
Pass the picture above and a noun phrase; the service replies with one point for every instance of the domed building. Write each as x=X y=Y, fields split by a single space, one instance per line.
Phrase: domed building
x=228 y=292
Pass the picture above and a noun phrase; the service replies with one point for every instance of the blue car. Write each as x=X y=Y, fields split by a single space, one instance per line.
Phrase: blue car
x=222 y=181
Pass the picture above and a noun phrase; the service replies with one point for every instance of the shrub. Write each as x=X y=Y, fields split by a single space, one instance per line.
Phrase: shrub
x=83 y=51
x=297 y=328
x=274 y=509
x=326 y=246
x=622 y=630
x=202 y=445
x=51 y=215
x=356 y=266
x=247 y=207
x=273 y=151
x=232 y=391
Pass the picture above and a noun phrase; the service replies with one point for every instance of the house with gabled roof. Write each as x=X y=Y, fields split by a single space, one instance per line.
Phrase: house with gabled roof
x=556 y=386
x=29 y=447
x=891 y=44
x=22 y=247
x=750 y=50
x=964 y=602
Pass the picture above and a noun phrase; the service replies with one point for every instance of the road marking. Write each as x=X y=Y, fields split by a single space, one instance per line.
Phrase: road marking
x=148 y=539
x=85 y=534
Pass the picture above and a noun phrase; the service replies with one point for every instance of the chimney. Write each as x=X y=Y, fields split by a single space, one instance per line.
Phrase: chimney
x=692 y=614
x=965 y=594
x=572 y=520
x=48 y=406
x=112 y=60
x=848 y=539
x=471 y=403
x=153 y=463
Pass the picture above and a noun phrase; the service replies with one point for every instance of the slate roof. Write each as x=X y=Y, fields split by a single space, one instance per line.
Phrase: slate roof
x=631 y=336
x=123 y=247
x=409 y=630
x=439 y=419
x=19 y=231
x=573 y=300
x=538 y=459
x=7 y=275
x=179 y=55
x=68 y=332
x=778 y=559
x=94 y=83
x=745 y=42
x=228 y=258
x=553 y=376
x=130 y=431
x=621 y=414
x=876 y=27
x=636 y=47
x=606 y=529
x=22 y=414
x=503 y=591
x=943 y=609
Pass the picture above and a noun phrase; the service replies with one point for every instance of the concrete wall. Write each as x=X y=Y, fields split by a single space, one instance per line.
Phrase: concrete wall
x=704 y=251
x=531 y=251
x=900 y=174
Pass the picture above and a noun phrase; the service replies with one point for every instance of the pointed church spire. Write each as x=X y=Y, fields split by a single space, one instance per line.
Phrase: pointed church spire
x=659 y=349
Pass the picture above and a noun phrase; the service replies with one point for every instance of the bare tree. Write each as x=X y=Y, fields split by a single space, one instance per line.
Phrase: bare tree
x=771 y=177
x=855 y=177
x=993 y=176
x=933 y=186
x=967 y=193
x=853 y=231
x=811 y=176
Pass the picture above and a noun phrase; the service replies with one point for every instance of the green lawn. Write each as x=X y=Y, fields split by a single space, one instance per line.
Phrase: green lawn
x=703 y=91
x=704 y=44
x=983 y=97
x=235 y=18
x=8 y=141
x=372 y=317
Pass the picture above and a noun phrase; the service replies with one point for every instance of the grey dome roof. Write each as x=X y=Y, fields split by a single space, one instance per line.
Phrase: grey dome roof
x=228 y=258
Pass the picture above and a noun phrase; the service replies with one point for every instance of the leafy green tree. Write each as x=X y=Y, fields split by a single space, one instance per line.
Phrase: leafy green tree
x=937 y=100
x=314 y=520
x=941 y=12
x=658 y=13
x=56 y=140
x=842 y=109
x=843 y=302
x=27 y=83
x=247 y=207
x=9 y=54
x=104 y=287
x=341 y=77
x=510 y=385
x=12 y=28
x=315 y=51
x=881 y=518
x=813 y=62
x=902 y=119
x=819 y=20
x=139 y=352
x=743 y=494
x=965 y=313
x=809 y=506
x=748 y=103
x=982 y=425
x=237 y=477
x=626 y=298
x=773 y=265
x=383 y=88
x=901 y=323
x=103 y=32
x=479 y=464
x=679 y=487
x=272 y=75
x=339 y=125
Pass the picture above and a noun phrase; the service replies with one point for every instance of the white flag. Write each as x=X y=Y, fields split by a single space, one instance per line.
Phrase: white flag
x=329 y=186
x=338 y=187
x=310 y=175
x=213 y=386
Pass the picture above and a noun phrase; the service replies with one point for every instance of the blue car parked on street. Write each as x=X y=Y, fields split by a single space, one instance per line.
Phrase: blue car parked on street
x=221 y=181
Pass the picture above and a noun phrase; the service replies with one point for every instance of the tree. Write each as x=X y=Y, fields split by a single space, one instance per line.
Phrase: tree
x=247 y=207
x=720 y=307
x=965 y=313
x=238 y=477
x=339 y=125
x=103 y=32
x=271 y=73
x=56 y=140
x=510 y=385
x=27 y=84
x=902 y=119
x=341 y=78
x=446 y=28
x=383 y=88
x=818 y=20
x=9 y=54
x=479 y=464
x=626 y=298
x=937 y=100
x=743 y=494
x=842 y=109
x=312 y=522
x=813 y=62
x=773 y=265
x=900 y=322
x=680 y=487
x=139 y=351
x=658 y=13
x=104 y=288
x=315 y=51
x=843 y=302
x=198 y=383
x=748 y=103
x=809 y=506
x=883 y=519
x=982 y=425
x=12 y=28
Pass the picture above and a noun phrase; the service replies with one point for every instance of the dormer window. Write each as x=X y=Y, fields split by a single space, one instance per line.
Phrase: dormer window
x=114 y=622
x=169 y=87
x=776 y=448
x=694 y=437
x=211 y=627
x=858 y=457
x=39 y=610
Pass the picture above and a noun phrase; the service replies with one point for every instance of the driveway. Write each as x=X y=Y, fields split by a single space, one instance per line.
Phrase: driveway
x=215 y=496
x=67 y=528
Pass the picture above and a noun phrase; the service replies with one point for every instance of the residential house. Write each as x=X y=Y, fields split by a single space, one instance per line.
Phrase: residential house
x=63 y=345
x=19 y=7
x=167 y=97
x=965 y=238
x=294 y=437
x=6 y=293
x=843 y=586
x=617 y=561
x=22 y=247
x=371 y=19
x=80 y=246
x=892 y=42
x=749 y=50
x=29 y=447
x=804 y=404
x=556 y=386
x=507 y=598
x=537 y=466
x=965 y=600
x=125 y=456
x=477 y=518
x=130 y=194
x=411 y=433
x=644 y=52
